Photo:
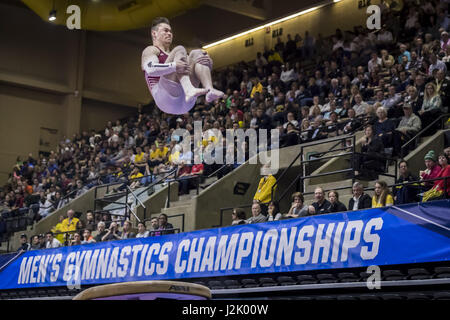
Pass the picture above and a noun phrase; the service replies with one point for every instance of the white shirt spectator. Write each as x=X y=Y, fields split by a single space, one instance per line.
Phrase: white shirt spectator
x=371 y=64
x=438 y=65
x=360 y=108
x=54 y=244
x=143 y=235
x=294 y=122
x=46 y=208
x=288 y=76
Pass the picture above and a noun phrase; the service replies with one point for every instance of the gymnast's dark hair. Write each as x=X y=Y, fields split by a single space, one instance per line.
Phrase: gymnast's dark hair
x=159 y=20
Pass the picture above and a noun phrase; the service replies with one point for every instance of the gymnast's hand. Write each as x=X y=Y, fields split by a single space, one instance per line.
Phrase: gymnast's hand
x=182 y=67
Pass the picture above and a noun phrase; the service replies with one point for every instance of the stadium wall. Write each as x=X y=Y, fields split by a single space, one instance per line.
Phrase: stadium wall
x=325 y=20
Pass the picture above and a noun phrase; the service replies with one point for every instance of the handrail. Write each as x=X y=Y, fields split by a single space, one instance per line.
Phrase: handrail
x=442 y=116
x=340 y=138
x=131 y=191
x=161 y=180
x=215 y=172
x=11 y=260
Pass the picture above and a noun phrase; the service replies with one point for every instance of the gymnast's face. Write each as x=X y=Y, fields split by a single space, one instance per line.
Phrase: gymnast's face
x=163 y=34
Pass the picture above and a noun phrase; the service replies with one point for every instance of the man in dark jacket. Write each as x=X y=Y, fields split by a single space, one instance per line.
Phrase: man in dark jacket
x=408 y=193
x=360 y=200
x=24 y=245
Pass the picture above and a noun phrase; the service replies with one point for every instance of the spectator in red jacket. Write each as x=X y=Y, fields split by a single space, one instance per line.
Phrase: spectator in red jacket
x=432 y=170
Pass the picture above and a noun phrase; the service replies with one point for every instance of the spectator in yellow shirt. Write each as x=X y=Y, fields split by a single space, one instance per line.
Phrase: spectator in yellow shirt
x=257 y=87
x=264 y=192
x=58 y=228
x=69 y=224
x=382 y=196
x=134 y=178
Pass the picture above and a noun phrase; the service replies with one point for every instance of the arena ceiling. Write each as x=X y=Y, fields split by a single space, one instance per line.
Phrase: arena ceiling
x=195 y=22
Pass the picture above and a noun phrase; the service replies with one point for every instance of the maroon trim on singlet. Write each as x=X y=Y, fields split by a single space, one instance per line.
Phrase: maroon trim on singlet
x=152 y=81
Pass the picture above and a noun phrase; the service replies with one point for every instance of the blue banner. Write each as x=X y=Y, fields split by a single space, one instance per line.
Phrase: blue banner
x=392 y=235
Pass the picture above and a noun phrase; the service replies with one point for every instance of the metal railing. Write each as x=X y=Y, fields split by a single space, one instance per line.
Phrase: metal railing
x=419 y=183
x=127 y=193
x=414 y=139
x=341 y=139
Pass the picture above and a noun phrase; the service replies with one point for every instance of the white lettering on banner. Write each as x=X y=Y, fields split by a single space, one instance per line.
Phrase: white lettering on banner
x=371 y=238
x=122 y=271
x=286 y=247
x=337 y=241
x=149 y=267
x=322 y=243
x=24 y=272
x=208 y=256
x=180 y=266
x=164 y=258
x=350 y=242
x=55 y=267
x=266 y=248
x=244 y=249
x=43 y=269
x=90 y=264
x=272 y=236
x=102 y=264
x=141 y=260
x=225 y=254
x=69 y=259
x=304 y=244
x=195 y=254
x=112 y=265
x=34 y=268
x=256 y=248
x=136 y=249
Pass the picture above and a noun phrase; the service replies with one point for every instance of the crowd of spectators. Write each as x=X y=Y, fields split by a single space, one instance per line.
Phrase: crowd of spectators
x=391 y=82
x=408 y=188
x=72 y=231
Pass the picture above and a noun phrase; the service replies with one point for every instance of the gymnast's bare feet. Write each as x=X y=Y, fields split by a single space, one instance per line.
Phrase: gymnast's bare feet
x=213 y=95
x=192 y=94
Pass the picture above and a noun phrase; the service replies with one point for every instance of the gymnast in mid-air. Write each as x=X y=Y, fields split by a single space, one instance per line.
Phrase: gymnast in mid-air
x=173 y=77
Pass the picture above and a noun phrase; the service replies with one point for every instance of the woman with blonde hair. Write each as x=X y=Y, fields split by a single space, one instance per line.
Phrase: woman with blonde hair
x=431 y=106
x=382 y=196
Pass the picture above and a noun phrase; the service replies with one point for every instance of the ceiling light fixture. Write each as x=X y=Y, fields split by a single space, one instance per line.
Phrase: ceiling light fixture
x=292 y=16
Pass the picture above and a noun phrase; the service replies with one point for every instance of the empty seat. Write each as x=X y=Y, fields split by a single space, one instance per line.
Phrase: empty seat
x=200 y=283
x=304 y=298
x=326 y=278
x=307 y=279
x=327 y=298
x=417 y=296
x=213 y=284
x=418 y=274
x=443 y=295
x=347 y=277
x=369 y=297
x=346 y=298
x=286 y=281
x=231 y=284
x=392 y=275
x=391 y=296
x=442 y=272
x=267 y=282
x=364 y=275
x=51 y=292
x=63 y=291
x=249 y=283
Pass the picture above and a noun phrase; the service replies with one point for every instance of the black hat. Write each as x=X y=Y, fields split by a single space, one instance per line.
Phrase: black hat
x=23 y=235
